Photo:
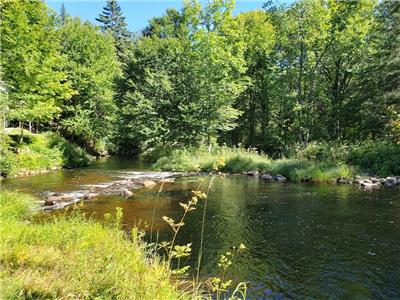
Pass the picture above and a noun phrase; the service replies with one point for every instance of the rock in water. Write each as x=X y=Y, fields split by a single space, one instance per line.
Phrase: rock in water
x=279 y=178
x=52 y=200
x=370 y=185
x=253 y=173
x=149 y=183
x=267 y=176
x=390 y=182
x=126 y=193
x=90 y=196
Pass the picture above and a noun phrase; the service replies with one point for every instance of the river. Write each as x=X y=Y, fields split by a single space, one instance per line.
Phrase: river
x=304 y=241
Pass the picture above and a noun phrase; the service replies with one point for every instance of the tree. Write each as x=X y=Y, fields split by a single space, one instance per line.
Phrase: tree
x=169 y=25
x=381 y=85
x=114 y=22
x=63 y=14
x=258 y=35
x=179 y=87
x=31 y=62
x=351 y=23
x=92 y=67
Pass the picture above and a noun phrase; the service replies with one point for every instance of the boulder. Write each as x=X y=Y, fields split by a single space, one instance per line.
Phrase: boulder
x=90 y=196
x=253 y=173
x=374 y=179
x=280 y=178
x=149 y=183
x=390 y=182
x=55 y=198
x=49 y=203
x=344 y=181
x=367 y=184
x=267 y=176
x=126 y=193
x=67 y=197
x=52 y=200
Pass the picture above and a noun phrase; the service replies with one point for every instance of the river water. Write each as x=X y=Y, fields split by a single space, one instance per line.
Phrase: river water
x=303 y=241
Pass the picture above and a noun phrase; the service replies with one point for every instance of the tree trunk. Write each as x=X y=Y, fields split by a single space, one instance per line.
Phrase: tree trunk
x=21 y=126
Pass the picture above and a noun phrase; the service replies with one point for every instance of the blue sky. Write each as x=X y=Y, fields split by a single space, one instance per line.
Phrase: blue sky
x=137 y=12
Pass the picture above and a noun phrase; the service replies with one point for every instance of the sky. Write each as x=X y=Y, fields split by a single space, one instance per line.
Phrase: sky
x=136 y=12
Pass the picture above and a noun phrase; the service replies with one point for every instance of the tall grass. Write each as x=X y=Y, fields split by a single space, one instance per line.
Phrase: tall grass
x=75 y=258
x=238 y=160
x=200 y=159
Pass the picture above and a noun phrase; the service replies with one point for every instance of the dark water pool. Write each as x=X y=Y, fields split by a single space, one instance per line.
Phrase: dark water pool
x=303 y=241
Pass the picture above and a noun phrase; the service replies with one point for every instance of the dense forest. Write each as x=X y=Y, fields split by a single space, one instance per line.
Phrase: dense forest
x=275 y=79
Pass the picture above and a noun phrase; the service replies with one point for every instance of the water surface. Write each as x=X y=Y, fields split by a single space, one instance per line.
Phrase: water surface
x=303 y=241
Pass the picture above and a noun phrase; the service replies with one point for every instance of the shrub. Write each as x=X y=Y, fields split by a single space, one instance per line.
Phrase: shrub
x=37 y=152
x=324 y=151
x=378 y=157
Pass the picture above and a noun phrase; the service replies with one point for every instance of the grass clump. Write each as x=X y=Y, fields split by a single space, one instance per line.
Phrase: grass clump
x=74 y=258
x=38 y=152
x=236 y=160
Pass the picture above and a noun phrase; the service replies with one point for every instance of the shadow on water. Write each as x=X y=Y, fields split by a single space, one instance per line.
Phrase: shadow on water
x=304 y=241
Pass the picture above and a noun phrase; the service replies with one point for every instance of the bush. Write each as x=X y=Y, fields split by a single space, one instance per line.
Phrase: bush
x=377 y=157
x=324 y=151
x=38 y=152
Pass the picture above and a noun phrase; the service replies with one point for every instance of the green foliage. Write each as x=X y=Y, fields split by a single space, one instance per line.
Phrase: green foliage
x=181 y=88
x=39 y=152
x=89 y=113
x=75 y=258
x=31 y=61
x=238 y=160
x=377 y=157
x=113 y=22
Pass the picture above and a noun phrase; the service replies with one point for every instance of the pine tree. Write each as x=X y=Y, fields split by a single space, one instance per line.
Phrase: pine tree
x=63 y=14
x=114 y=22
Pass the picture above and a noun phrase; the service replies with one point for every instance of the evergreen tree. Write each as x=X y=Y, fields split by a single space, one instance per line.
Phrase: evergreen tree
x=63 y=14
x=114 y=22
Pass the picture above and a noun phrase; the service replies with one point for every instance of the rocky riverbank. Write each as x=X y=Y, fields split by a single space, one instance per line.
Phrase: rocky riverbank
x=138 y=180
x=124 y=188
x=366 y=182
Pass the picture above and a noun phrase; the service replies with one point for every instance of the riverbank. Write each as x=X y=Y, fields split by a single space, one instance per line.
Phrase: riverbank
x=38 y=153
x=75 y=258
x=317 y=163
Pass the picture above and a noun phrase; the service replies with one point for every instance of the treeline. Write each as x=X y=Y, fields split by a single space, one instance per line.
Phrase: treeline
x=274 y=78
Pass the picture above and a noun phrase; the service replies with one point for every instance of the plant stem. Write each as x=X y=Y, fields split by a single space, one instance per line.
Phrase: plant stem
x=202 y=230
